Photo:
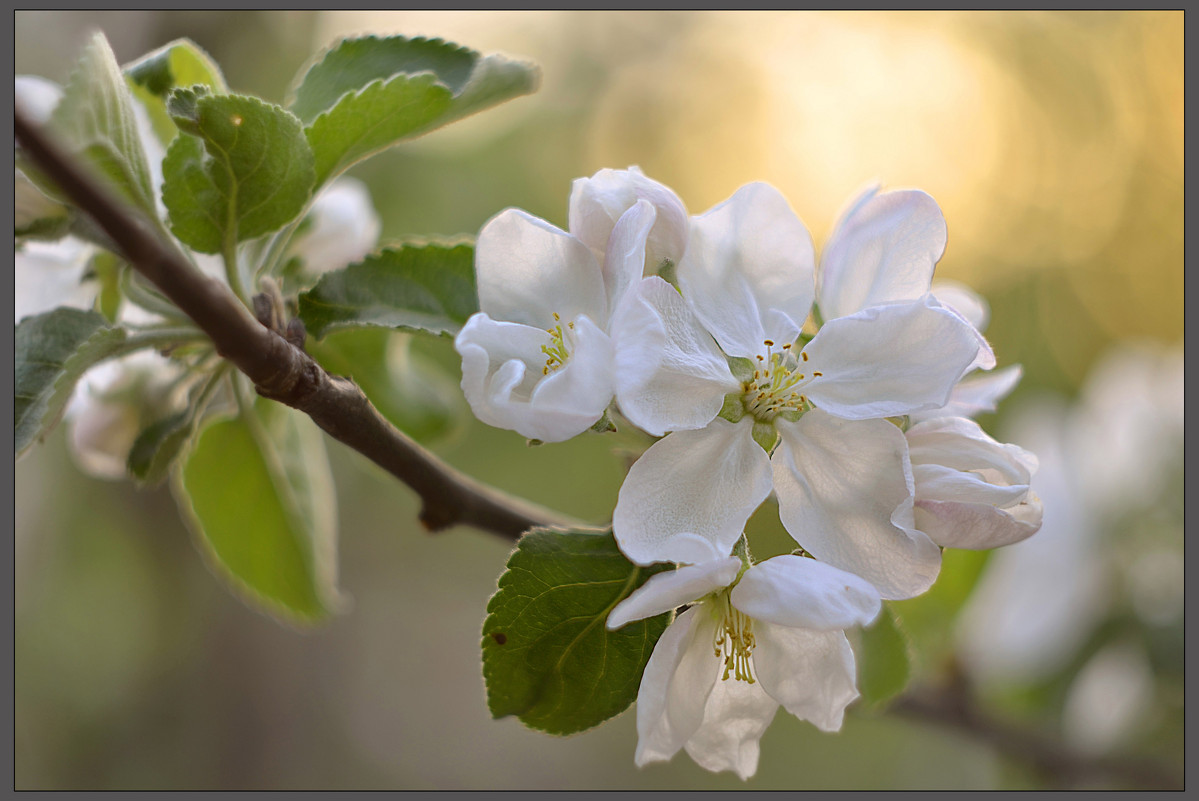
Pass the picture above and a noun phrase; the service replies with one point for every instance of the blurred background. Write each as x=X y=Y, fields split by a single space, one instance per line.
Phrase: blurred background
x=1054 y=145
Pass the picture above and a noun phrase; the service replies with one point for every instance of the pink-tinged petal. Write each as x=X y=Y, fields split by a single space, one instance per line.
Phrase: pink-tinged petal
x=802 y=593
x=964 y=300
x=845 y=489
x=978 y=526
x=976 y=393
x=670 y=375
x=501 y=370
x=811 y=673
x=889 y=360
x=735 y=718
x=883 y=250
x=625 y=255
x=528 y=270
x=748 y=270
x=666 y=591
x=704 y=482
x=947 y=445
x=596 y=203
x=675 y=686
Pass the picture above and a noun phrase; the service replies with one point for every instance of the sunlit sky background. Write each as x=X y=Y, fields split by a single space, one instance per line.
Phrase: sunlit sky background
x=1053 y=143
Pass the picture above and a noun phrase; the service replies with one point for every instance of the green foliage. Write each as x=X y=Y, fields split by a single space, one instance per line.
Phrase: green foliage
x=884 y=661
x=245 y=170
x=51 y=351
x=257 y=494
x=178 y=64
x=548 y=658
x=95 y=119
x=929 y=619
x=426 y=287
x=364 y=95
x=158 y=446
x=407 y=388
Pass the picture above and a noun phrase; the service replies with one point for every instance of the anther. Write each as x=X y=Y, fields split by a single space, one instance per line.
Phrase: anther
x=804 y=355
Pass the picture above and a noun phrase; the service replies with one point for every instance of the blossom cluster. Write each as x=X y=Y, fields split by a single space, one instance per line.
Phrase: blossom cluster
x=844 y=386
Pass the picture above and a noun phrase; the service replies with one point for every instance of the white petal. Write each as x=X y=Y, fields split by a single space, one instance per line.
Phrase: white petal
x=704 y=482
x=666 y=591
x=345 y=227
x=583 y=386
x=735 y=718
x=596 y=203
x=811 y=673
x=528 y=270
x=984 y=359
x=51 y=274
x=845 y=494
x=675 y=686
x=941 y=483
x=964 y=300
x=502 y=366
x=37 y=96
x=976 y=393
x=889 y=360
x=883 y=250
x=960 y=444
x=670 y=374
x=802 y=593
x=625 y=254
x=748 y=270
x=978 y=526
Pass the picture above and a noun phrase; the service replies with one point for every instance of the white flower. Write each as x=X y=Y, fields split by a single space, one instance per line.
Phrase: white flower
x=597 y=204
x=537 y=357
x=113 y=403
x=750 y=642
x=345 y=227
x=841 y=474
x=971 y=491
x=51 y=274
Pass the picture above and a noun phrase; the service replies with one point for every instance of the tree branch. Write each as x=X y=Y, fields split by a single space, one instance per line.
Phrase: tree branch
x=280 y=371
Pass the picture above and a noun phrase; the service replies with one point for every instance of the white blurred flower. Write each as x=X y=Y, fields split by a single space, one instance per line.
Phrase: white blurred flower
x=749 y=642
x=113 y=403
x=1108 y=698
x=345 y=227
x=51 y=274
x=1104 y=461
x=839 y=471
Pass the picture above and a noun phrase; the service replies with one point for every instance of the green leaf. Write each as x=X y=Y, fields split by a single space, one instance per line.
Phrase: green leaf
x=95 y=119
x=178 y=64
x=884 y=660
x=366 y=94
x=158 y=446
x=36 y=215
x=426 y=287
x=244 y=171
x=258 y=497
x=548 y=658
x=51 y=351
x=407 y=388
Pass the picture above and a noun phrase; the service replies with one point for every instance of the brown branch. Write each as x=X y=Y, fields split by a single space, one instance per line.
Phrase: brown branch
x=954 y=706
x=281 y=371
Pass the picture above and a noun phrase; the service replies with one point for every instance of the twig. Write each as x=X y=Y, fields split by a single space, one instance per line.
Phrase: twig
x=954 y=707
x=280 y=371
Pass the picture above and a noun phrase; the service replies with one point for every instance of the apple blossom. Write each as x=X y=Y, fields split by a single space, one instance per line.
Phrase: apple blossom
x=801 y=419
x=537 y=358
x=345 y=227
x=751 y=639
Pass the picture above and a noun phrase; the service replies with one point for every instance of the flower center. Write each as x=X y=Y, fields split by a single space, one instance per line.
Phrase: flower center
x=734 y=641
x=561 y=341
x=777 y=383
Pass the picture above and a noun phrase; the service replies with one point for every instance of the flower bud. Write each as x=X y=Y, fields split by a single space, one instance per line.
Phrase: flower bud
x=596 y=203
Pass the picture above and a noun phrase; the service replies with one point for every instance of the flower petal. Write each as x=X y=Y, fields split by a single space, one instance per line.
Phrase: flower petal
x=978 y=526
x=528 y=270
x=845 y=494
x=883 y=250
x=975 y=394
x=501 y=369
x=596 y=203
x=704 y=482
x=624 y=258
x=811 y=673
x=735 y=718
x=675 y=686
x=582 y=386
x=748 y=270
x=889 y=360
x=964 y=300
x=670 y=374
x=799 y=592
x=960 y=445
x=666 y=591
